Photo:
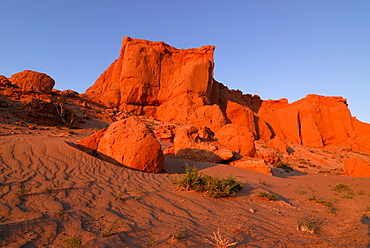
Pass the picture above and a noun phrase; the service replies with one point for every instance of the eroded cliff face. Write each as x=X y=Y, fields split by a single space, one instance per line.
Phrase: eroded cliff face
x=177 y=86
x=149 y=73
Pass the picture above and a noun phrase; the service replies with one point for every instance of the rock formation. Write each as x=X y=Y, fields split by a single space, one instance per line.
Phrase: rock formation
x=33 y=81
x=177 y=86
x=129 y=142
x=357 y=167
x=189 y=145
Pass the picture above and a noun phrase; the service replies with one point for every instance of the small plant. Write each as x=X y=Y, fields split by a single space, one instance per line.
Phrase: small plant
x=308 y=224
x=178 y=235
x=119 y=195
x=58 y=185
x=300 y=192
x=152 y=239
x=111 y=229
x=212 y=186
x=348 y=195
x=48 y=190
x=59 y=212
x=316 y=199
x=264 y=183
x=360 y=192
x=23 y=190
x=73 y=242
x=341 y=187
x=219 y=241
x=330 y=210
x=282 y=165
x=264 y=195
x=325 y=171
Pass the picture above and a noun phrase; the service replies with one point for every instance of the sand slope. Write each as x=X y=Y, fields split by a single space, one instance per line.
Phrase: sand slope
x=84 y=188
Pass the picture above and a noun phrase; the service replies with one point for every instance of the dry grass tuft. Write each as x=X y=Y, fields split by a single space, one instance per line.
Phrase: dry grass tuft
x=219 y=241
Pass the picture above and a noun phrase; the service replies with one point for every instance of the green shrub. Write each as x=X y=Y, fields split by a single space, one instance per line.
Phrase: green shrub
x=264 y=195
x=341 y=187
x=214 y=187
x=316 y=199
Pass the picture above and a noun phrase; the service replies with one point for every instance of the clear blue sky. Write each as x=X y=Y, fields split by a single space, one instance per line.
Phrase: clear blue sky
x=275 y=49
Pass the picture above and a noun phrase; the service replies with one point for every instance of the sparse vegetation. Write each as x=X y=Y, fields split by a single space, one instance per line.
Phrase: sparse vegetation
x=316 y=199
x=59 y=212
x=348 y=195
x=219 y=241
x=48 y=190
x=361 y=192
x=264 y=195
x=178 y=235
x=264 y=183
x=308 y=224
x=73 y=242
x=111 y=229
x=330 y=210
x=66 y=116
x=58 y=185
x=212 y=186
x=23 y=190
x=152 y=239
x=120 y=194
x=300 y=192
x=341 y=187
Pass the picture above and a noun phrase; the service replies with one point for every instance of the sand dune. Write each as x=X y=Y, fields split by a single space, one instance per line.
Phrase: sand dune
x=81 y=202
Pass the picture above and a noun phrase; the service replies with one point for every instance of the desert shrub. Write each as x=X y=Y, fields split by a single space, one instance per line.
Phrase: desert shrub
x=322 y=201
x=264 y=183
x=214 y=187
x=348 y=195
x=111 y=229
x=66 y=115
x=23 y=190
x=308 y=224
x=341 y=187
x=264 y=195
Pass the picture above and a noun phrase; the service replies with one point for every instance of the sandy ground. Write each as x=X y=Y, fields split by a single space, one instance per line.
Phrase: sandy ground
x=73 y=194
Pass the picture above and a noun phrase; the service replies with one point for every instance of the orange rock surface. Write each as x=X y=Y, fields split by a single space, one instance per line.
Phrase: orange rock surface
x=177 y=86
x=33 y=81
x=129 y=142
x=357 y=167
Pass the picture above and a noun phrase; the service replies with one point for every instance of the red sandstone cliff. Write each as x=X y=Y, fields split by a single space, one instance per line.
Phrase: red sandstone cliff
x=177 y=85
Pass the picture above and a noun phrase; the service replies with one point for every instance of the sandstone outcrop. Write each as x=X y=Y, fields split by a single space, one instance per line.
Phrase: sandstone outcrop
x=4 y=81
x=129 y=142
x=238 y=139
x=254 y=164
x=189 y=145
x=33 y=81
x=177 y=86
x=357 y=167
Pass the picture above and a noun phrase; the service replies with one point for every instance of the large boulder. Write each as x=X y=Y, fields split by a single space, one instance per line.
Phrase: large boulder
x=129 y=142
x=33 y=81
x=357 y=167
x=189 y=145
x=238 y=139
